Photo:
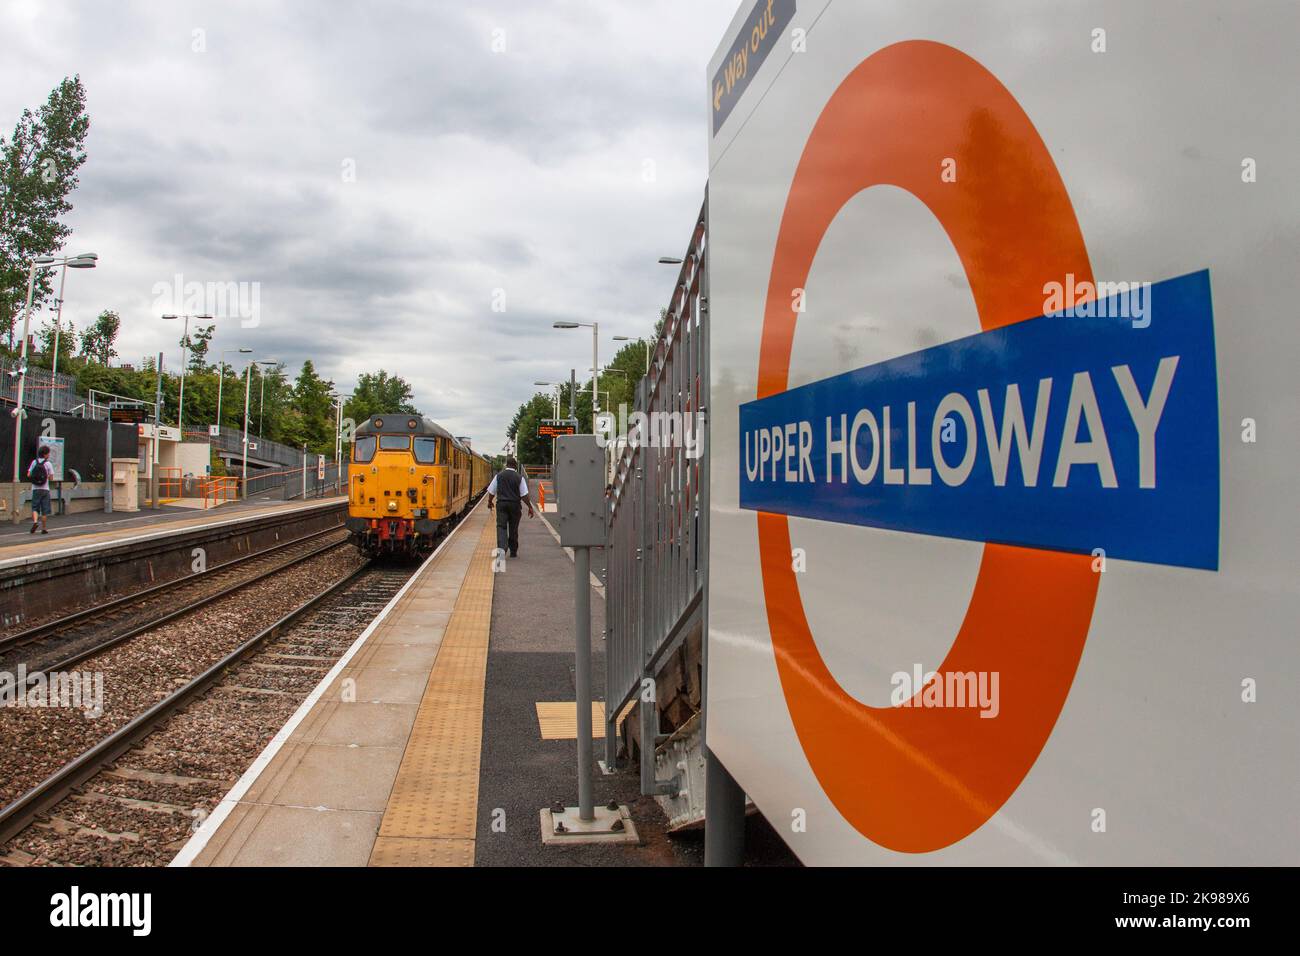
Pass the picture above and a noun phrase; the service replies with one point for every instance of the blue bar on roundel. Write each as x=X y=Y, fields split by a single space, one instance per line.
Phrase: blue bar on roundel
x=1097 y=429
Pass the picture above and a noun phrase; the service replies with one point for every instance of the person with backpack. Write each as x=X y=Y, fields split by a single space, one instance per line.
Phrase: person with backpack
x=39 y=473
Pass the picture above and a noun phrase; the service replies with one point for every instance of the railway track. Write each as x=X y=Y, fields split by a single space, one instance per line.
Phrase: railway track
x=135 y=797
x=60 y=643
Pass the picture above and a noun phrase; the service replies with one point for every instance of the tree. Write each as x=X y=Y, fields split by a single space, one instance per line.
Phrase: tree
x=198 y=342
x=38 y=170
x=67 y=345
x=620 y=376
x=272 y=387
x=311 y=420
x=379 y=394
x=529 y=449
x=98 y=338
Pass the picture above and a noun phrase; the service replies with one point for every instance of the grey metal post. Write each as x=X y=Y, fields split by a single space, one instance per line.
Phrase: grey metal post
x=724 y=799
x=611 y=718
x=573 y=393
x=108 y=464
x=248 y=382
x=647 y=710
x=724 y=815
x=157 y=429
x=582 y=676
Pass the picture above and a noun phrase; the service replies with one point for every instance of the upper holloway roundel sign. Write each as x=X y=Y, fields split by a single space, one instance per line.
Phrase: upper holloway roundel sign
x=1060 y=429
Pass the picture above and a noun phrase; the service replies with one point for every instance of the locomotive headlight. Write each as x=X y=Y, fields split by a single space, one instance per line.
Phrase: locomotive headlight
x=392 y=506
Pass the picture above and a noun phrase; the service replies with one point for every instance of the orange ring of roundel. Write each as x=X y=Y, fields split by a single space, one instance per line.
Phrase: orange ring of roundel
x=919 y=779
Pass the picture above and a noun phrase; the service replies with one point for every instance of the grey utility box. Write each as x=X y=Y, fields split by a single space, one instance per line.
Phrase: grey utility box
x=580 y=488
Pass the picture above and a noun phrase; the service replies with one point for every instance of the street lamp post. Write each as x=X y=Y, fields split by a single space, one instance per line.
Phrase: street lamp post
x=185 y=360
x=555 y=404
x=248 y=383
x=556 y=413
x=221 y=377
x=338 y=441
x=58 y=325
x=609 y=401
x=261 y=397
x=628 y=338
x=84 y=261
x=595 y=358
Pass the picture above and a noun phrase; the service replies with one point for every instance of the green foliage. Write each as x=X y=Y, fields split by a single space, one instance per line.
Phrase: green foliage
x=310 y=421
x=529 y=449
x=98 y=338
x=620 y=376
x=617 y=386
x=198 y=343
x=45 y=343
x=38 y=170
x=379 y=394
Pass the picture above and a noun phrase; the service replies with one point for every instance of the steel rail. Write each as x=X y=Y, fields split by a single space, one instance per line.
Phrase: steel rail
x=116 y=639
x=19 y=814
x=41 y=631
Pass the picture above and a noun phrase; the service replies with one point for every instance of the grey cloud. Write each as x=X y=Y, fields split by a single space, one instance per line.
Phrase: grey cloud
x=474 y=171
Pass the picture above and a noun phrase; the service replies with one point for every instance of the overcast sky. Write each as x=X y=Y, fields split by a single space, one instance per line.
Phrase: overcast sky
x=224 y=135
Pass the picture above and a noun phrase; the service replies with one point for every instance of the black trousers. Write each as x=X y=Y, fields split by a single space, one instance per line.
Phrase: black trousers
x=508 y=514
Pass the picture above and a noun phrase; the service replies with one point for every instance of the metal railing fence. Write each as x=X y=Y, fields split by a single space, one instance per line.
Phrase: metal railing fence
x=298 y=482
x=43 y=389
x=656 y=549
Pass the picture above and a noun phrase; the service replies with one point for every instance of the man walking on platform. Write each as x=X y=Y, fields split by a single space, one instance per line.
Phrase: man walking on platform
x=510 y=489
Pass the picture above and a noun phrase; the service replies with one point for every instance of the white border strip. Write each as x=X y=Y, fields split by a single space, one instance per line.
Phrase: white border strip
x=190 y=851
x=158 y=535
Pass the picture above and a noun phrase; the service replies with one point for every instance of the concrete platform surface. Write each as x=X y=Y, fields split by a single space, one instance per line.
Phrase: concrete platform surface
x=423 y=746
x=319 y=793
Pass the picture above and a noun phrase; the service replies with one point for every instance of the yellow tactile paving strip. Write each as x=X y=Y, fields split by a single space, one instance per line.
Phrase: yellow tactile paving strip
x=558 y=719
x=432 y=811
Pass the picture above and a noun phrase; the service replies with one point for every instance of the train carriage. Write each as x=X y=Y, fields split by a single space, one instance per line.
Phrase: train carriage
x=410 y=479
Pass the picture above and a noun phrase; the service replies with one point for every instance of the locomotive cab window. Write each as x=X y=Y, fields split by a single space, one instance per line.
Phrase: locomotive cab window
x=426 y=450
x=364 y=448
x=394 y=442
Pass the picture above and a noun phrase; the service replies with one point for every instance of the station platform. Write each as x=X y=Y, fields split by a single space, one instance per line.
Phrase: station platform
x=441 y=734
x=90 y=531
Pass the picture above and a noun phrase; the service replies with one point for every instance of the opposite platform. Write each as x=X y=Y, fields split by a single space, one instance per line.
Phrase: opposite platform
x=17 y=546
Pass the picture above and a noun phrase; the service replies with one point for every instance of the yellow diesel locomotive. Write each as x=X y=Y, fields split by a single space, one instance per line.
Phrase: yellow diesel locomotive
x=409 y=479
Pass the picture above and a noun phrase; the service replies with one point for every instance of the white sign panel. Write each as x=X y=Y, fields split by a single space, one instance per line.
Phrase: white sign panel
x=1001 y=537
x=55 y=445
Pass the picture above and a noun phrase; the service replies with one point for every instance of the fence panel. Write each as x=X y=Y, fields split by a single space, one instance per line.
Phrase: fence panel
x=655 y=548
x=43 y=390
